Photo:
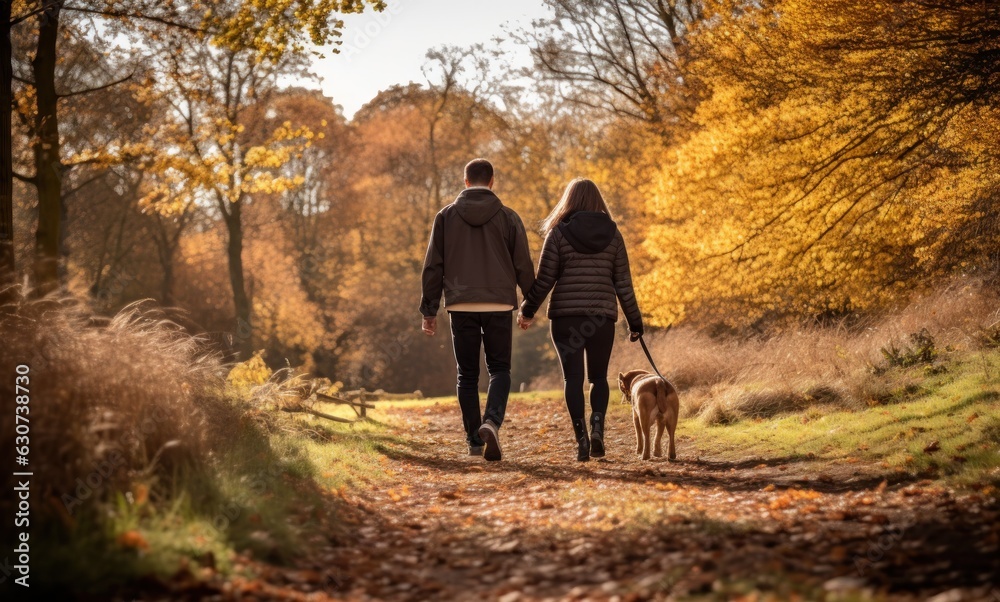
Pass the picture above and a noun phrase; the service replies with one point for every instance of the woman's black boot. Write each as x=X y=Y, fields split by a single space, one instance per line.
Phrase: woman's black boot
x=597 y=435
x=582 y=440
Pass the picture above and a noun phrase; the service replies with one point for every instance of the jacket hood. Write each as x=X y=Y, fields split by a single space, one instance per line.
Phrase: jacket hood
x=589 y=231
x=477 y=205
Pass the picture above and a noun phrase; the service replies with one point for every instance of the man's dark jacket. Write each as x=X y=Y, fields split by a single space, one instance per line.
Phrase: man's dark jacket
x=584 y=258
x=478 y=253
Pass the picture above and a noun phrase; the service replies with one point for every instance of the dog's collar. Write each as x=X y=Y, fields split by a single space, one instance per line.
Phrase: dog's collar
x=644 y=376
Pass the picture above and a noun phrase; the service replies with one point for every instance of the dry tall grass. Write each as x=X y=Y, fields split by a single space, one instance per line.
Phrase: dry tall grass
x=112 y=402
x=724 y=379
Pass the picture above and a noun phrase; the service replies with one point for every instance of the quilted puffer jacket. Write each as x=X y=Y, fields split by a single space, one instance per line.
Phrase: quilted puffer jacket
x=584 y=259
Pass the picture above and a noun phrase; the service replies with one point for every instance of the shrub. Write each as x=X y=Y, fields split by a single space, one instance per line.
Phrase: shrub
x=844 y=364
x=989 y=336
x=920 y=351
x=113 y=402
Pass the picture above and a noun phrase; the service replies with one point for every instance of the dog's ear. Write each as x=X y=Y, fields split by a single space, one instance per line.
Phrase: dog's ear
x=629 y=377
x=624 y=388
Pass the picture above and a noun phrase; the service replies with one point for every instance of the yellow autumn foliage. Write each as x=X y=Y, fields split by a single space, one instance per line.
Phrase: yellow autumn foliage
x=251 y=373
x=828 y=169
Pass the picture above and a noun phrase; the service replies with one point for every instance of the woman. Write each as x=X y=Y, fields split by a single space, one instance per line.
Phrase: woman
x=584 y=258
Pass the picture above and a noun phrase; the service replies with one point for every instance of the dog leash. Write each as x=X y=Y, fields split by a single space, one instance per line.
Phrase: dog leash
x=650 y=357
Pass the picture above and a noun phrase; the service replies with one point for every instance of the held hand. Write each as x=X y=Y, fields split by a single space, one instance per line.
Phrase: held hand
x=633 y=336
x=429 y=326
x=523 y=322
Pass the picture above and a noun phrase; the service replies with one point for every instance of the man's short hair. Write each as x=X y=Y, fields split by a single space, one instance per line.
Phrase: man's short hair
x=479 y=172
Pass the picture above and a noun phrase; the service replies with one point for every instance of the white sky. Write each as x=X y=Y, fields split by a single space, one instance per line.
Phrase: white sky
x=382 y=49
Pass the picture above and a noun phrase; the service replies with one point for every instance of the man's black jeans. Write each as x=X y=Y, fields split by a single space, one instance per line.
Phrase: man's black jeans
x=470 y=332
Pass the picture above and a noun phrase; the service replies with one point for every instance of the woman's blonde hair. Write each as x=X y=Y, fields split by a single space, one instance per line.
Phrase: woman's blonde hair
x=581 y=195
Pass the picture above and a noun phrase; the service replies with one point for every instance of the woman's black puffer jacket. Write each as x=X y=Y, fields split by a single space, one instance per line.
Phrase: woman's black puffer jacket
x=584 y=258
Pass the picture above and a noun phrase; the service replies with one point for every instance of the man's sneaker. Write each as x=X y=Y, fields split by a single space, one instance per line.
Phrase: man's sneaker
x=476 y=450
x=491 y=436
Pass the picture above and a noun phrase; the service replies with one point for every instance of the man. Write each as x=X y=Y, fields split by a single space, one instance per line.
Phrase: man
x=478 y=254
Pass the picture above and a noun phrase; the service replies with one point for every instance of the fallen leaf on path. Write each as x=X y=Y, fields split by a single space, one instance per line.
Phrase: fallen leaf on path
x=133 y=539
x=791 y=496
x=403 y=492
x=505 y=547
x=840 y=584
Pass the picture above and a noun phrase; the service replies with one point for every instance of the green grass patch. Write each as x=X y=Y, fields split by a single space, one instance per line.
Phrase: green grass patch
x=946 y=427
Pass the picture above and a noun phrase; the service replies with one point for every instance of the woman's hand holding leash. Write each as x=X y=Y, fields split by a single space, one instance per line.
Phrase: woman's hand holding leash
x=429 y=326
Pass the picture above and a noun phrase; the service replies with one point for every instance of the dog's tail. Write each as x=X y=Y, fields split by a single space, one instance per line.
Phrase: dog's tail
x=663 y=389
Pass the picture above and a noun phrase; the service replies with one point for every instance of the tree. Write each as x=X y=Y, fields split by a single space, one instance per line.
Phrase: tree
x=8 y=271
x=316 y=224
x=8 y=20
x=173 y=209
x=48 y=163
x=48 y=160
x=836 y=159
x=272 y=29
x=623 y=57
x=213 y=93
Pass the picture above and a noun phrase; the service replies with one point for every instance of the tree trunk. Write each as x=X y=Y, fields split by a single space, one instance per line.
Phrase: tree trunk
x=8 y=272
x=48 y=164
x=243 y=334
x=167 y=247
x=167 y=292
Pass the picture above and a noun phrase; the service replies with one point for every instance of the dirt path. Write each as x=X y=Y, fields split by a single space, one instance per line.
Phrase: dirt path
x=540 y=525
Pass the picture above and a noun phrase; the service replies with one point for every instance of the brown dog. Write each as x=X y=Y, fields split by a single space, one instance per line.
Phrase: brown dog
x=652 y=398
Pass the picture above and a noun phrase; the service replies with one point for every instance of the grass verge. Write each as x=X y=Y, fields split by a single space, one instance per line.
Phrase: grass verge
x=946 y=424
x=267 y=496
